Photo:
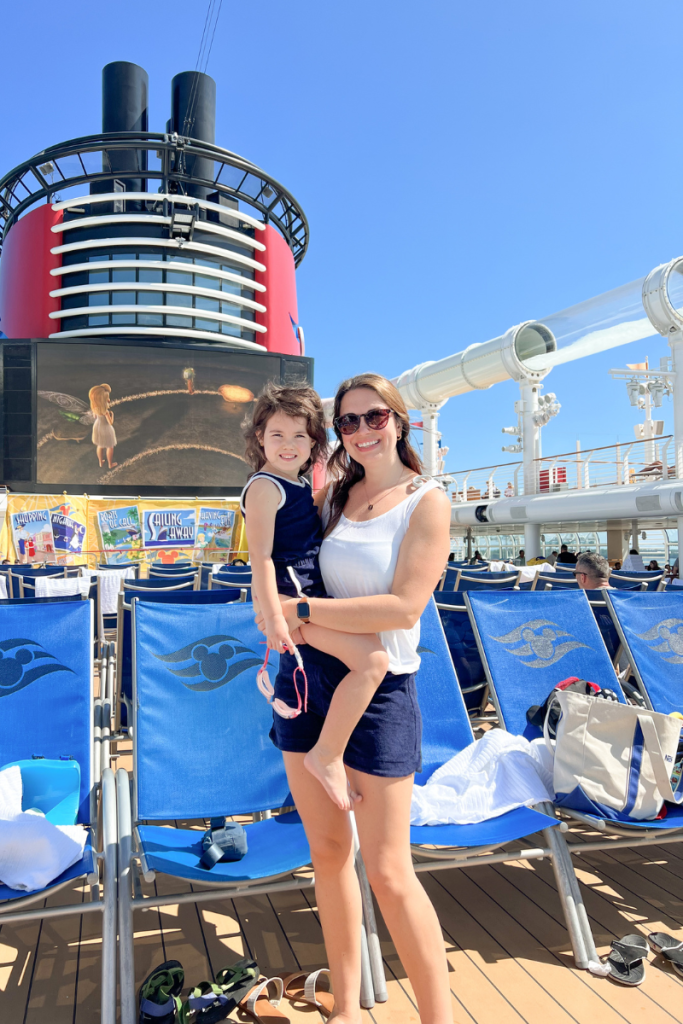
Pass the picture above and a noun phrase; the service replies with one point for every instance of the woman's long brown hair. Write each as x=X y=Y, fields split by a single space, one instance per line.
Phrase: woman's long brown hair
x=346 y=470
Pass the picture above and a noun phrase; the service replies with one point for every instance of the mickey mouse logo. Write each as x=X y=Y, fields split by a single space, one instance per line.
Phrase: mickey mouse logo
x=215 y=659
x=666 y=638
x=540 y=644
x=23 y=661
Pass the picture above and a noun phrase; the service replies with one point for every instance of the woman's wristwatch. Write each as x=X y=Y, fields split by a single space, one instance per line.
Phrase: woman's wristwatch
x=303 y=610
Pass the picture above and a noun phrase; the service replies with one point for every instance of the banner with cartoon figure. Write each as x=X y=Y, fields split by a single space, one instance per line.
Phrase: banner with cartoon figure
x=216 y=529
x=68 y=533
x=33 y=537
x=120 y=533
x=173 y=527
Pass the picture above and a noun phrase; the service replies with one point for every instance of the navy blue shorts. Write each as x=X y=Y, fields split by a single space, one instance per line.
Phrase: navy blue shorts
x=387 y=740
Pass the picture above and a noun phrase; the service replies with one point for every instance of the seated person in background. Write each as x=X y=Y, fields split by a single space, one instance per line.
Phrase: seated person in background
x=617 y=564
x=653 y=566
x=566 y=557
x=552 y=558
x=451 y=557
x=634 y=561
x=478 y=557
x=592 y=572
x=521 y=559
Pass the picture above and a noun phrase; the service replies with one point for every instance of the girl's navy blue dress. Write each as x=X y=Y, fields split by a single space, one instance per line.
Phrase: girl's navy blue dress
x=297 y=538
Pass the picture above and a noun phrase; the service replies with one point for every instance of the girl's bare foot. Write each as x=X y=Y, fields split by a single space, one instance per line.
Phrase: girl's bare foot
x=112 y=464
x=332 y=776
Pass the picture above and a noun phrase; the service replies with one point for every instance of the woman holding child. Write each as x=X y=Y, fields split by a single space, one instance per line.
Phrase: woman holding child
x=355 y=741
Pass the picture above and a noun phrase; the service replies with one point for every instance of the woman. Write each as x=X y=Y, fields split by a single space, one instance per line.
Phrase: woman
x=103 y=434
x=386 y=543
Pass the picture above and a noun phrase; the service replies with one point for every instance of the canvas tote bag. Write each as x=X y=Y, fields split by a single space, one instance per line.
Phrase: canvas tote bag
x=613 y=760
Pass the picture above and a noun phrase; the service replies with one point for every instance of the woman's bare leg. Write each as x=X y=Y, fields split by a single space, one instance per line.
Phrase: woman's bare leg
x=367 y=661
x=383 y=819
x=110 y=457
x=336 y=886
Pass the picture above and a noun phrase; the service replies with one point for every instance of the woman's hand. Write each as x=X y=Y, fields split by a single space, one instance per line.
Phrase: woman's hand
x=288 y=611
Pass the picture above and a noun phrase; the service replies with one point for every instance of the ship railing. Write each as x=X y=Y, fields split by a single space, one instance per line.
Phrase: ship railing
x=614 y=465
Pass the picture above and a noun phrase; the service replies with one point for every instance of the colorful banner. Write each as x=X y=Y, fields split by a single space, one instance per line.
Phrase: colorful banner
x=215 y=530
x=120 y=533
x=68 y=532
x=204 y=532
x=33 y=537
x=169 y=528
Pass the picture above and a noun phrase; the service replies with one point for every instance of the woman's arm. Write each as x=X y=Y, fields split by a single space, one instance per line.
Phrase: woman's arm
x=261 y=505
x=423 y=554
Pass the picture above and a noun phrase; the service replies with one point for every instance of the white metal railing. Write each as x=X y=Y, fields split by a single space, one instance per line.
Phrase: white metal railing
x=608 y=466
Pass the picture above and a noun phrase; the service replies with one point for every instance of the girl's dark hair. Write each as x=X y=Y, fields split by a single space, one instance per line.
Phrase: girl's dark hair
x=293 y=400
x=347 y=471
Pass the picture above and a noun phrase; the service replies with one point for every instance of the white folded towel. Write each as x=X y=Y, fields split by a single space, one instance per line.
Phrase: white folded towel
x=110 y=585
x=3 y=587
x=33 y=851
x=46 y=587
x=491 y=776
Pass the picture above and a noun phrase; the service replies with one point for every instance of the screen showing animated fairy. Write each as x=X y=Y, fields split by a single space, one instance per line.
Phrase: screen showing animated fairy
x=144 y=415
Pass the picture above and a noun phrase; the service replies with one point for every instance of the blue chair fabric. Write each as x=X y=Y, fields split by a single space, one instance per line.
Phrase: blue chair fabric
x=650 y=627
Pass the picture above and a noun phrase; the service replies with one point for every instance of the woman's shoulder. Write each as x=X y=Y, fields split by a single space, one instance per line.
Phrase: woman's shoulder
x=429 y=501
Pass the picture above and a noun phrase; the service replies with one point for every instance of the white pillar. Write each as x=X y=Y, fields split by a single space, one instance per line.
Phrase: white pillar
x=531 y=435
x=532 y=541
x=634 y=534
x=430 y=438
x=676 y=345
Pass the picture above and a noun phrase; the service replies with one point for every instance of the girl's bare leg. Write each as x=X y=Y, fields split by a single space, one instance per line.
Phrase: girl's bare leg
x=367 y=661
x=110 y=456
x=383 y=819
x=100 y=456
x=336 y=887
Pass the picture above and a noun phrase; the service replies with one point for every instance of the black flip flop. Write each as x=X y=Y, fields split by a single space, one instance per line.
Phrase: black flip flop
x=211 y=1002
x=159 y=994
x=669 y=947
x=626 y=961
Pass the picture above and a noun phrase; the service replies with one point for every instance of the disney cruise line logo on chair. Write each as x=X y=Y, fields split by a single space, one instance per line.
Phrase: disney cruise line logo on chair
x=22 y=662
x=539 y=639
x=669 y=633
x=213 y=661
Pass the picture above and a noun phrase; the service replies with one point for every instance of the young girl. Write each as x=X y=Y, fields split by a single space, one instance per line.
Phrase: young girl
x=103 y=434
x=284 y=437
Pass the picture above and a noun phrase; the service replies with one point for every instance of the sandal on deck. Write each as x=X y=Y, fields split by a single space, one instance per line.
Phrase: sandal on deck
x=159 y=994
x=626 y=961
x=669 y=947
x=305 y=992
x=211 y=1002
x=263 y=1009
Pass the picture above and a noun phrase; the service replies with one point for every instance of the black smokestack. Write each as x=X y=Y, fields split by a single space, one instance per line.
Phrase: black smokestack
x=193 y=115
x=125 y=90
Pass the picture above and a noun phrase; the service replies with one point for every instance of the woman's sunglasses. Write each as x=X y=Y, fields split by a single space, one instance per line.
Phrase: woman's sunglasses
x=376 y=419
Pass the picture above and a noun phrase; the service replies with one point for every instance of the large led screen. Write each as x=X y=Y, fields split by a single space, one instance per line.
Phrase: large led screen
x=111 y=415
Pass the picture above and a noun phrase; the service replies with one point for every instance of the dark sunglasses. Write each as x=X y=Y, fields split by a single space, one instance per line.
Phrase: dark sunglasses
x=376 y=419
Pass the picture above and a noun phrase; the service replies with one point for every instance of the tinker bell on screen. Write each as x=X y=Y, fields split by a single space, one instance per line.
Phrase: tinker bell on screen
x=99 y=414
x=188 y=377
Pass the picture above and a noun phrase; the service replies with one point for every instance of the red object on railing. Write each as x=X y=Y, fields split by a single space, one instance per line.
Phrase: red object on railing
x=559 y=477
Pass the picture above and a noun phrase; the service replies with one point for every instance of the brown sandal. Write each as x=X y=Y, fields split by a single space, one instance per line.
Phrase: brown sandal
x=306 y=993
x=264 y=1010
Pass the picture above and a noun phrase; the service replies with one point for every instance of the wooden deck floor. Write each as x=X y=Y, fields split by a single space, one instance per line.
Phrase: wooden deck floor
x=503 y=932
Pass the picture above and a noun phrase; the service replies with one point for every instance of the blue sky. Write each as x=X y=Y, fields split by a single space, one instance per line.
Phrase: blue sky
x=463 y=166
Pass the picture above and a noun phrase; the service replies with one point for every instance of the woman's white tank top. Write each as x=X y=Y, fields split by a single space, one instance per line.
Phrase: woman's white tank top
x=359 y=560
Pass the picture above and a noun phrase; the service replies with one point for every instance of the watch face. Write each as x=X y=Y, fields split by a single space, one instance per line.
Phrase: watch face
x=303 y=610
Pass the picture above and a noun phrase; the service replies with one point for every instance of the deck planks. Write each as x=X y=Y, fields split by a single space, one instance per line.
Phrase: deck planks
x=504 y=936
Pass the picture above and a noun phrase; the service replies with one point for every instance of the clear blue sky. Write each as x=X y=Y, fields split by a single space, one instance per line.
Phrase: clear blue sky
x=463 y=166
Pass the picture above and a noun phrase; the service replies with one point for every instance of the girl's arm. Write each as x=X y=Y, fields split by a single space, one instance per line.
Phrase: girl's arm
x=423 y=554
x=261 y=504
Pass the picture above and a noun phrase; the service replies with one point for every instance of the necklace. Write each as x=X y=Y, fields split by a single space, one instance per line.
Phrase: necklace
x=382 y=496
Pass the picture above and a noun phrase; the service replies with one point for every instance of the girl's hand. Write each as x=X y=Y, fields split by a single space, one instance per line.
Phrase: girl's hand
x=277 y=635
x=288 y=611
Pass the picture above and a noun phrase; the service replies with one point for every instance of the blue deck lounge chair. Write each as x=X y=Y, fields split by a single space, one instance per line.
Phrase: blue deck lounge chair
x=527 y=647
x=46 y=705
x=196 y=664
x=447 y=731
x=650 y=627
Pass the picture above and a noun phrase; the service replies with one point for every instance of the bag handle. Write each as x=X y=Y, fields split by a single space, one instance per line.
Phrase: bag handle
x=549 y=742
x=662 y=776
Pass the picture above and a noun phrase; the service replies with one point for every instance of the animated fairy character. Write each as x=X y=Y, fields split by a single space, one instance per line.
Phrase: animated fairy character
x=188 y=377
x=103 y=434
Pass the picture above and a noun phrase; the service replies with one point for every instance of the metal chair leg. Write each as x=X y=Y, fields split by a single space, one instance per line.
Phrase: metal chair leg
x=126 y=963
x=379 y=982
x=110 y=888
